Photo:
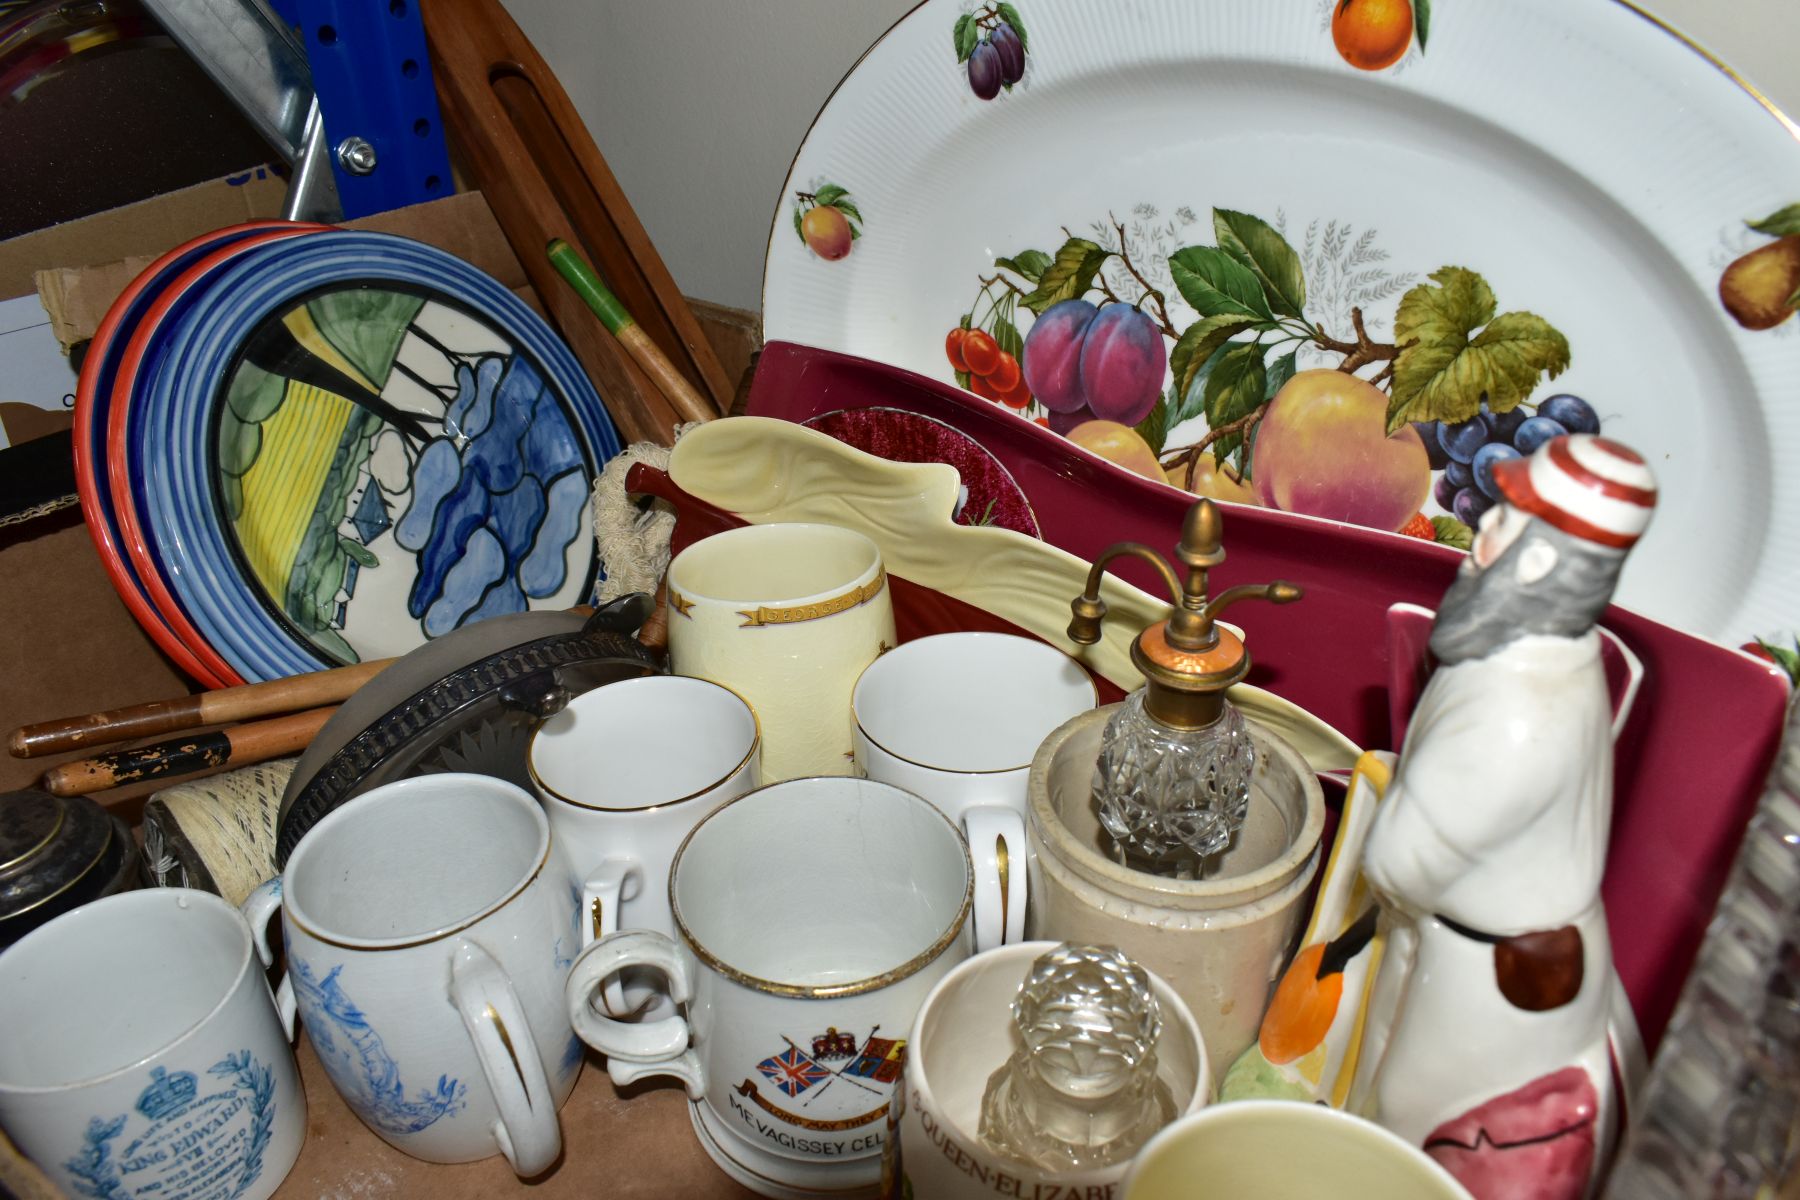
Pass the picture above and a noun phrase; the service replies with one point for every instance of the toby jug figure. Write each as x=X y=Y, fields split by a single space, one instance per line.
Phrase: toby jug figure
x=1486 y=1040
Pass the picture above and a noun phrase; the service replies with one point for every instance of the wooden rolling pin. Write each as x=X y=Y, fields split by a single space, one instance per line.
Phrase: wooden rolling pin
x=220 y=707
x=238 y=746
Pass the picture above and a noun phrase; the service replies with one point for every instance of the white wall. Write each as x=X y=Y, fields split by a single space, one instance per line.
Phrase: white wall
x=699 y=105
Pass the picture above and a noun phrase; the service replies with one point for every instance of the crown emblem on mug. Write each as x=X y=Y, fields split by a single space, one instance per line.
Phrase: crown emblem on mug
x=832 y=1044
x=167 y=1094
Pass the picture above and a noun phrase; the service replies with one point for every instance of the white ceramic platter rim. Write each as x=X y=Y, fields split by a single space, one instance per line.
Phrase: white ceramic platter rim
x=1657 y=145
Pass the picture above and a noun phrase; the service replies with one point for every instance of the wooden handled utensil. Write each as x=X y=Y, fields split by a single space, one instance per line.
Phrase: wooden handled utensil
x=238 y=746
x=219 y=707
x=595 y=294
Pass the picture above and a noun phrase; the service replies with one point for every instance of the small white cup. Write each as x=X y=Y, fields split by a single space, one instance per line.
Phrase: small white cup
x=1284 y=1150
x=428 y=924
x=964 y=1033
x=625 y=771
x=814 y=916
x=142 y=1054
x=787 y=616
x=957 y=718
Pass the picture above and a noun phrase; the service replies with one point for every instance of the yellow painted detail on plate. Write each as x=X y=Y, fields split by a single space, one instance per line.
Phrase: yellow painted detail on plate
x=306 y=331
x=281 y=489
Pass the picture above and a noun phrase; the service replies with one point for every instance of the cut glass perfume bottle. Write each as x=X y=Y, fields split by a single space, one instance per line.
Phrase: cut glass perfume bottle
x=1172 y=784
x=1081 y=1091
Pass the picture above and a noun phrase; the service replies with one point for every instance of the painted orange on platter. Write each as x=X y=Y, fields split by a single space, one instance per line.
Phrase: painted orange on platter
x=1303 y=1009
x=1372 y=34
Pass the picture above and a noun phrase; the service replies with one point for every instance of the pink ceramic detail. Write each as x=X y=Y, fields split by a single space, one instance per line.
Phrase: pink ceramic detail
x=1687 y=770
x=993 y=495
x=1534 y=1143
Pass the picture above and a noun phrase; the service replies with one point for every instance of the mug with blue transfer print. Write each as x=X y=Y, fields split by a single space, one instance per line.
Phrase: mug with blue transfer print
x=429 y=924
x=191 y=1094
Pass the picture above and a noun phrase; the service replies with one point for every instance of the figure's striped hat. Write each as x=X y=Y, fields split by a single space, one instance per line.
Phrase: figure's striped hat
x=1589 y=487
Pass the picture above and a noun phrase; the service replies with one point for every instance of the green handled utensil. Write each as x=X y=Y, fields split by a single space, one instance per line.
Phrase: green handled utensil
x=682 y=395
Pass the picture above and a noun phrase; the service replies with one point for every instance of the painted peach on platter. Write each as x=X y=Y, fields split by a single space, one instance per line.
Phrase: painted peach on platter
x=1323 y=450
x=1119 y=444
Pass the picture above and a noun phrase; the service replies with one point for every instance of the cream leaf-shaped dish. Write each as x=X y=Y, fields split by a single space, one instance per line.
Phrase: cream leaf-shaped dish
x=766 y=470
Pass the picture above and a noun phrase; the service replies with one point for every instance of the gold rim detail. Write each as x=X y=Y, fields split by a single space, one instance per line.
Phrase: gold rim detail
x=506 y=1040
x=832 y=991
x=1005 y=870
x=762 y=614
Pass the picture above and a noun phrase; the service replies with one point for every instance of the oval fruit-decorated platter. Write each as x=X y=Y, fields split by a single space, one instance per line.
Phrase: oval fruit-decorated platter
x=1334 y=257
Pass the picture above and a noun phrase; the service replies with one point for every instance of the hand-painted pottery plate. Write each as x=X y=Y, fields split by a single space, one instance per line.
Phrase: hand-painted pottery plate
x=356 y=442
x=1185 y=220
x=93 y=401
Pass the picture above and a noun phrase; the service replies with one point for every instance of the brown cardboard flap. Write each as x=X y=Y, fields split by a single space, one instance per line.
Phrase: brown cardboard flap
x=146 y=228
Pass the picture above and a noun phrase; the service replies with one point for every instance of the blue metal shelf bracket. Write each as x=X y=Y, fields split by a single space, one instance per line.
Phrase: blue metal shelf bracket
x=372 y=77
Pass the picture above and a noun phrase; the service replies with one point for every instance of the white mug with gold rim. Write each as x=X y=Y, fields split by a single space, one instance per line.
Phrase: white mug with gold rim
x=787 y=616
x=813 y=917
x=957 y=718
x=428 y=924
x=625 y=771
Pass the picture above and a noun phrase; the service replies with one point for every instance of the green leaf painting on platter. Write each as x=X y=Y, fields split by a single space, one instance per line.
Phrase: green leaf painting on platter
x=1281 y=340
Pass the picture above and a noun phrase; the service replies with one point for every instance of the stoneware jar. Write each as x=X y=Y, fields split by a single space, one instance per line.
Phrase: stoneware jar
x=1219 y=941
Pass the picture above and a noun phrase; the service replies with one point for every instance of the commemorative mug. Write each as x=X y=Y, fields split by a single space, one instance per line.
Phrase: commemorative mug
x=625 y=771
x=143 y=1055
x=957 y=718
x=1285 y=1150
x=428 y=923
x=787 y=616
x=963 y=1034
x=812 y=919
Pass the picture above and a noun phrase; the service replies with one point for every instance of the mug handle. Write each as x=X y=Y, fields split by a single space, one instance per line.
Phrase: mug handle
x=635 y=1051
x=996 y=836
x=259 y=908
x=602 y=892
x=527 y=1130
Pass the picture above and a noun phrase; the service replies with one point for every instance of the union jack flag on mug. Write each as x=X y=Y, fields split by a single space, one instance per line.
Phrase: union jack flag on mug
x=792 y=1071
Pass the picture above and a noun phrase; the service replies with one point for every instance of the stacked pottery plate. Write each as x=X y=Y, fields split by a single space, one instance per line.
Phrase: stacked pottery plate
x=299 y=448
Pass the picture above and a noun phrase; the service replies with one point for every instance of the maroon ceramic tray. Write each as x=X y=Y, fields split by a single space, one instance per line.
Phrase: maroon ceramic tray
x=1690 y=763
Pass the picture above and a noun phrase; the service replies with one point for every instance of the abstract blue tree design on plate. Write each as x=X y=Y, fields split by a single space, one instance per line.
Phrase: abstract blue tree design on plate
x=358 y=1062
x=383 y=457
x=496 y=501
